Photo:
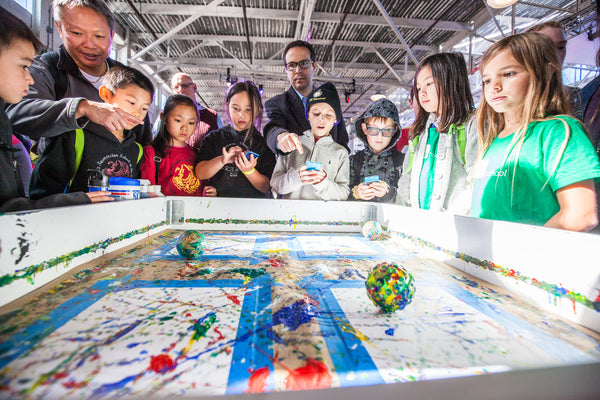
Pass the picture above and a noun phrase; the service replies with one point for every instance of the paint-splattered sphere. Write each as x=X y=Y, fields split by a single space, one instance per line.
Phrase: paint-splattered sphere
x=390 y=287
x=372 y=230
x=191 y=244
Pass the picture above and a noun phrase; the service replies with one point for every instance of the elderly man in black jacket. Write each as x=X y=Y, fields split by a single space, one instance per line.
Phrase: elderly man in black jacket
x=65 y=96
x=286 y=112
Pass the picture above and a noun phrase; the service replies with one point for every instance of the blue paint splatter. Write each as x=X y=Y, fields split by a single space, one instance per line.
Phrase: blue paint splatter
x=295 y=315
x=389 y=332
x=109 y=387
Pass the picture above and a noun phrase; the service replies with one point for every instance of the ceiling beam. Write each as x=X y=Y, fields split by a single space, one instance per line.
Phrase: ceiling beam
x=286 y=40
x=199 y=13
x=289 y=15
x=232 y=62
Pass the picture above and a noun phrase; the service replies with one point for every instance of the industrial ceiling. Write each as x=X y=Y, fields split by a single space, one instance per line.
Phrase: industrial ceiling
x=365 y=47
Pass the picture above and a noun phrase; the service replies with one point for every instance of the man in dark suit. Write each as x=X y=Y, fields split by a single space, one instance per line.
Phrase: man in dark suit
x=286 y=112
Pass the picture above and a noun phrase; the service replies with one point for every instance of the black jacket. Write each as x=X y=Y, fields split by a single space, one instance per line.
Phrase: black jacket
x=11 y=190
x=49 y=107
x=286 y=113
x=102 y=151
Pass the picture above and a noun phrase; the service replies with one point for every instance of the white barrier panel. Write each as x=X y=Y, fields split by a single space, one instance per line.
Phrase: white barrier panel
x=39 y=246
x=557 y=270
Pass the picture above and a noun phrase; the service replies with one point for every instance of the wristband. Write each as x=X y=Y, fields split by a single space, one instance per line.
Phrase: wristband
x=354 y=193
x=249 y=172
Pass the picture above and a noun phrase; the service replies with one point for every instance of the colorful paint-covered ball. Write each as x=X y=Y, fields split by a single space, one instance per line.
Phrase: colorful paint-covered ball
x=372 y=230
x=390 y=287
x=191 y=244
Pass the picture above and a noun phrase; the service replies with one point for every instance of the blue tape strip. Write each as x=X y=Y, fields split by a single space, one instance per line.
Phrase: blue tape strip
x=346 y=351
x=253 y=345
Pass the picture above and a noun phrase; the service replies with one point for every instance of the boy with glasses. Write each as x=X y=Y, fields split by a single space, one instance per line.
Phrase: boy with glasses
x=374 y=171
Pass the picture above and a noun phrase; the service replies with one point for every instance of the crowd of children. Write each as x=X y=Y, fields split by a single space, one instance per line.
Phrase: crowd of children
x=519 y=157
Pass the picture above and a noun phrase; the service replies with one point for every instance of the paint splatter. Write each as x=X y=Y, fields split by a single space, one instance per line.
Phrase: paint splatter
x=258 y=380
x=202 y=325
x=234 y=299
x=389 y=331
x=314 y=375
x=161 y=363
x=296 y=314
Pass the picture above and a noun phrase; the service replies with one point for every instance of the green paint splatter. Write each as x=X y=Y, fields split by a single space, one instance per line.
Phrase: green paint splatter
x=202 y=325
x=29 y=272
x=249 y=272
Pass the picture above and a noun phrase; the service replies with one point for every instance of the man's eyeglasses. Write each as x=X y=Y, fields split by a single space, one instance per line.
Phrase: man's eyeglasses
x=182 y=85
x=304 y=64
x=386 y=132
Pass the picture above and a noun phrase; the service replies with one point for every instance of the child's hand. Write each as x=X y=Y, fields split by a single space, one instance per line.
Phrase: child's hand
x=380 y=188
x=244 y=164
x=99 y=196
x=209 y=191
x=311 y=177
x=231 y=154
x=364 y=192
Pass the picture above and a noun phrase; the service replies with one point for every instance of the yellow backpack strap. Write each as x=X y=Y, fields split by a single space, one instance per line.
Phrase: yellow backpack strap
x=460 y=138
x=141 y=153
x=411 y=148
x=79 y=144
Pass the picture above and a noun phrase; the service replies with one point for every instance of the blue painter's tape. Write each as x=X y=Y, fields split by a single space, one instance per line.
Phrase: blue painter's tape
x=253 y=345
x=26 y=338
x=346 y=351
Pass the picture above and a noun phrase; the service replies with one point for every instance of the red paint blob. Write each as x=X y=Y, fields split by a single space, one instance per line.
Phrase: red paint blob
x=161 y=363
x=233 y=299
x=258 y=380
x=275 y=263
x=313 y=375
x=60 y=375
x=74 y=385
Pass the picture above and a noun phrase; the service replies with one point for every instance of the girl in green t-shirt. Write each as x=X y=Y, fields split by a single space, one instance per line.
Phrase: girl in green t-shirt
x=538 y=165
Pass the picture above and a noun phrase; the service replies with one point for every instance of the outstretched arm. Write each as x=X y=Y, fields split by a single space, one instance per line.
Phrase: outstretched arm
x=577 y=208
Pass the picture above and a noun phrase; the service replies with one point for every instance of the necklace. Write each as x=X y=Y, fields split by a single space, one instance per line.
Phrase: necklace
x=101 y=76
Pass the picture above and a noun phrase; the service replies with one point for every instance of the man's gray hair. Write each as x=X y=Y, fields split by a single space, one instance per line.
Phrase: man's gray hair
x=97 y=5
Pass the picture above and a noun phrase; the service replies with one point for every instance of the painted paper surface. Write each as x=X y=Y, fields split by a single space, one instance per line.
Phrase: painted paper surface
x=268 y=312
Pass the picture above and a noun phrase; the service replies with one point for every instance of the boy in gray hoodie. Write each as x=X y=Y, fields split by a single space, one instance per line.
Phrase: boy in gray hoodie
x=320 y=170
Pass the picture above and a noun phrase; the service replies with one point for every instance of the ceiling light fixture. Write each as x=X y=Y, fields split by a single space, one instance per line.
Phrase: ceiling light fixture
x=500 y=3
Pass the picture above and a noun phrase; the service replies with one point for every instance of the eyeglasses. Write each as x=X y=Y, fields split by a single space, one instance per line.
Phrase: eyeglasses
x=182 y=85
x=386 y=132
x=304 y=64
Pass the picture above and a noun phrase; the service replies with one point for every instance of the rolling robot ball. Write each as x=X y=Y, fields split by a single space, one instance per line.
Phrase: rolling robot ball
x=372 y=230
x=390 y=287
x=191 y=244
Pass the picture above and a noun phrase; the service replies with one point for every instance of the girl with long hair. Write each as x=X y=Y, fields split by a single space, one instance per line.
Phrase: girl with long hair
x=538 y=165
x=235 y=159
x=438 y=168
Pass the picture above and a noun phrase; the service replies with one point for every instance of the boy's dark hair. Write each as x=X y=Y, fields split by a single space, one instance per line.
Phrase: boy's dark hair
x=449 y=72
x=119 y=77
x=14 y=29
x=163 y=139
x=97 y=5
x=299 y=43
x=255 y=105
